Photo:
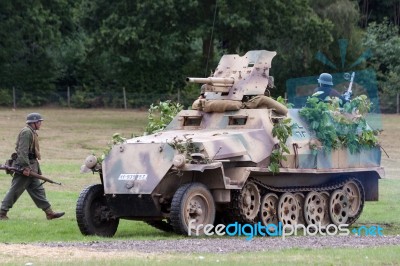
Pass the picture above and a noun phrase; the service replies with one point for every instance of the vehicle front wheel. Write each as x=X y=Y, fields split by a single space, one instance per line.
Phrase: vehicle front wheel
x=93 y=215
x=192 y=206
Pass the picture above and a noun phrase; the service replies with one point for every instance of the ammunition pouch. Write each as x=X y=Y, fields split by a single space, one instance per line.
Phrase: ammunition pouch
x=10 y=162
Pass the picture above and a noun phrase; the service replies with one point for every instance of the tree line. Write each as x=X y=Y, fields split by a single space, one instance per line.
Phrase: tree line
x=94 y=47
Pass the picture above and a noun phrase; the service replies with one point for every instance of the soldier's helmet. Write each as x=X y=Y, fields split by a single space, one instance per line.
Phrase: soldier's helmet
x=33 y=118
x=326 y=79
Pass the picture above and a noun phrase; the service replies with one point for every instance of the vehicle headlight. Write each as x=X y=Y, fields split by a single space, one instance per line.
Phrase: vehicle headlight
x=90 y=161
x=179 y=161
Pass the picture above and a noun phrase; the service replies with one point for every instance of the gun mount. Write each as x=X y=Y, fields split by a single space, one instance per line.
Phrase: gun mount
x=238 y=76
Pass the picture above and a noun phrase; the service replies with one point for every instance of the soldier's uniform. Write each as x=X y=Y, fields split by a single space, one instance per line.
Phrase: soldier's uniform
x=27 y=148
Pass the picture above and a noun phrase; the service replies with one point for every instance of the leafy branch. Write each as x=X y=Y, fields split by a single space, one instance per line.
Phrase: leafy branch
x=282 y=130
x=161 y=115
x=184 y=146
x=335 y=127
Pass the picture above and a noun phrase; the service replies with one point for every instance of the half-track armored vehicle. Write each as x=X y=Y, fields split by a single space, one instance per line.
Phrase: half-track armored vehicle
x=211 y=165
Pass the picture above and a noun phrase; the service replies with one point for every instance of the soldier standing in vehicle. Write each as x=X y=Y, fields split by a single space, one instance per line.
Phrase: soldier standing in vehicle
x=326 y=89
x=27 y=148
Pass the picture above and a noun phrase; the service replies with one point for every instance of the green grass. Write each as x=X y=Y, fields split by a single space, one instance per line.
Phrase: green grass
x=385 y=211
x=68 y=136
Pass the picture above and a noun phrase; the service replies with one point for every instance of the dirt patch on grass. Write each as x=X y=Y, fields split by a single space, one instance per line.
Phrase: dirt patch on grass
x=33 y=254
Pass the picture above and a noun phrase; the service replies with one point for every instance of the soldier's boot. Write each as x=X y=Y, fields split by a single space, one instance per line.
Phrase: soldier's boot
x=50 y=214
x=3 y=215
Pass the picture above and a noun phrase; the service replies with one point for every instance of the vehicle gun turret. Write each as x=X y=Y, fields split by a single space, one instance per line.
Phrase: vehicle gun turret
x=238 y=76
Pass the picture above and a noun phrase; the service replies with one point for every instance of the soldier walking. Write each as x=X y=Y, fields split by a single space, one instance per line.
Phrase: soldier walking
x=27 y=148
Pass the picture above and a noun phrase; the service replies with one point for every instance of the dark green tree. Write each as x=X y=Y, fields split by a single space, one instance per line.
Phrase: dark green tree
x=30 y=37
x=138 y=45
x=378 y=10
x=384 y=41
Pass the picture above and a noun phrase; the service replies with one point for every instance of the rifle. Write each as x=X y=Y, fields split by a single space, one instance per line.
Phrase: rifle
x=32 y=174
x=349 y=91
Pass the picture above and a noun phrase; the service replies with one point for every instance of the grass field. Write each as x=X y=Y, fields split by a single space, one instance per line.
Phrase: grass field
x=68 y=136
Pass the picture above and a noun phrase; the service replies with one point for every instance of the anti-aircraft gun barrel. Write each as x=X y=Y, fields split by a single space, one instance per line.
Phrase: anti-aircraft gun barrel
x=212 y=81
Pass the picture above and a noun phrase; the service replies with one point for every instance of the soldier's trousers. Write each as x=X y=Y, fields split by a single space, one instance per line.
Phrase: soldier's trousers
x=19 y=184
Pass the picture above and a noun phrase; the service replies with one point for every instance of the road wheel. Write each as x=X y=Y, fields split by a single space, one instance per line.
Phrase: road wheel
x=354 y=191
x=192 y=205
x=93 y=215
x=269 y=209
x=288 y=209
x=249 y=202
x=339 y=207
x=314 y=208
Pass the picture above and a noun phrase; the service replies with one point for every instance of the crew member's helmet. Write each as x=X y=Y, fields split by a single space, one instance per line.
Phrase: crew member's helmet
x=33 y=118
x=326 y=79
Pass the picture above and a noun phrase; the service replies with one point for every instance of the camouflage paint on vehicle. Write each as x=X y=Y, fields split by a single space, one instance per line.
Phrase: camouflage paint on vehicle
x=168 y=175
